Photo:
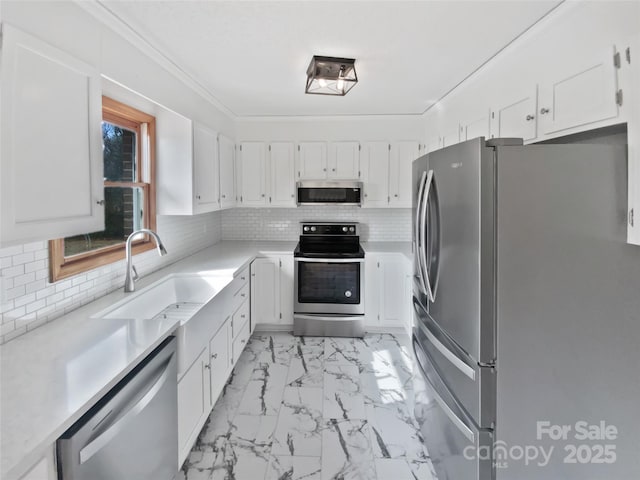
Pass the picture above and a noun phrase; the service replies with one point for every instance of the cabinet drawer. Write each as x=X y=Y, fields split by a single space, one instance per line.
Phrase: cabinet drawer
x=239 y=296
x=240 y=317
x=240 y=341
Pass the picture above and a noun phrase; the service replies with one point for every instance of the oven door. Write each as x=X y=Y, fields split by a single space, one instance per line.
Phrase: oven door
x=329 y=285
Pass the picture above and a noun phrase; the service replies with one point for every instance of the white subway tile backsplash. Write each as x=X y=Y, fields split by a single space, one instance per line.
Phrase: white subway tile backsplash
x=13 y=271
x=11 y=251
x=284 y=223
x=29 y=300
x=18 y=302
x=24 y=279
x=22 y=258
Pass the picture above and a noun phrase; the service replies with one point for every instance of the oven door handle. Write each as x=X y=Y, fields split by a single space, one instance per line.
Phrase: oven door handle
x=328 y=260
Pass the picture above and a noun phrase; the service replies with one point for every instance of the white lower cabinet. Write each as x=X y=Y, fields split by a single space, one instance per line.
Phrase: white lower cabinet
x=386 y=290
x=204 y=380
x=193 y=403
x=272 y=290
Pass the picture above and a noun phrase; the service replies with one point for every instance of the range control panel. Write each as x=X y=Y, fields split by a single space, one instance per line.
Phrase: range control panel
x=319 y=228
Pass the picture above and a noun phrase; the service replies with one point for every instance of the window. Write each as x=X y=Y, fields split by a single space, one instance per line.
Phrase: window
x=128 y=143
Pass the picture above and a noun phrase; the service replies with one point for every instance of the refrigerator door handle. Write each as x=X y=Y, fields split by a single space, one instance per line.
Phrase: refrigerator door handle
x=436 y=236
x=417 y=235
x=459 y=423
x=444 y=350
x=422 y=251
x=110 y=433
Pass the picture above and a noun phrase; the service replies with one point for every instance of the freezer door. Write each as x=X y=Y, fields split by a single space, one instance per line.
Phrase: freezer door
x=473 y=385
x=457 y=448
x=460 y=257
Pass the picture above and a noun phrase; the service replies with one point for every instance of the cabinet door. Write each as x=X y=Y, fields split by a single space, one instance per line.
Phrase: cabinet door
x=433 y=144
x=227 y=172
x=344 y=160
x=372 y=289
x=402 y=156
x=375 y=174
x=206 y=169
x=515 y=117
x=219 y=362
x=286 y=289
x=282 y=175
x=450 y=137
x=312 y=160
x=51 y=171
x=253 y=169
x=477 y=127
x=265 y=290
x=583 y=93
x=631 y=73
x=193 y=403
x=392 y=294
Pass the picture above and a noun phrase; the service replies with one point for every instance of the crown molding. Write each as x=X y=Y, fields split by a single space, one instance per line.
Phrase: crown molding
x=107 y=17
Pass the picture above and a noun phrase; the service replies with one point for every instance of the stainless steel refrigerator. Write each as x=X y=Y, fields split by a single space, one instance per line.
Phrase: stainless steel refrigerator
x=526 y=312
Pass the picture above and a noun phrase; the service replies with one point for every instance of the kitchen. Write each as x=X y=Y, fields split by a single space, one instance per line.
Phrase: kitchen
x=229 y=150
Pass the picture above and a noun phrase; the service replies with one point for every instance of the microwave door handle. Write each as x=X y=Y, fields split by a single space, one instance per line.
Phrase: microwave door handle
x=423 y=226
x=417 y=237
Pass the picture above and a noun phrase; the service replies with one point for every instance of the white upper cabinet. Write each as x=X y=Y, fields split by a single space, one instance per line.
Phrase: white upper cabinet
x=579 y=93
x=450 y=136
x=344 y=160
x=402 y=155
x=206 y=168
x=252 y=174
x=516 y=116
x=188 y=166
x=374 y=164
x=226 y=149
x=477 y=126
x=434 y=143
x=51 y=168
x=282 y=175
x=312 y=160
x=630 y=72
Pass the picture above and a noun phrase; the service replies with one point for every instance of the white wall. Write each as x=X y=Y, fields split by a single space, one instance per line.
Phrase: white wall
x=361 y=128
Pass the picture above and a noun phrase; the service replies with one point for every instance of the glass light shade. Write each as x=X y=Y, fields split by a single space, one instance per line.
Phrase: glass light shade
x=331 y=76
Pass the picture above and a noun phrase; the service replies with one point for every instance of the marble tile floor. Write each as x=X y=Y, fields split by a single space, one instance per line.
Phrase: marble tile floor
x=309 y=408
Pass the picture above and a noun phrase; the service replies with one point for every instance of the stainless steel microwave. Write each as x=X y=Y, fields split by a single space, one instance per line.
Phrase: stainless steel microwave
x=329 y=192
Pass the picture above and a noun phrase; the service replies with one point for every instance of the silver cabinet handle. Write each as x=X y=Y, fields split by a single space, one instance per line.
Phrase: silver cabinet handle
x=215 y=355
x=100 y=202
x=101 y=441
x=529 y=118
x=333 y=169
x=395 y=195
x=242 y=278
x=242 y=341
x=263 y=195
x=544 y=111
x=224 y=196
x=243 y=316
x=207 y=366
x=243 y=294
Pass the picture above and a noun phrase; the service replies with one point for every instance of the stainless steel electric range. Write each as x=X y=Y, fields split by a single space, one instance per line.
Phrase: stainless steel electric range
x=329 y=281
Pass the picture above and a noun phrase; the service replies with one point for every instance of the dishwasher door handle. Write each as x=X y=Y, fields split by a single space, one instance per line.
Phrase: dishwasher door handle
x=103 y=439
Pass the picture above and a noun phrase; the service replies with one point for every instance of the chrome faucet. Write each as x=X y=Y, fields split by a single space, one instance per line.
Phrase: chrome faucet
x=132 y=274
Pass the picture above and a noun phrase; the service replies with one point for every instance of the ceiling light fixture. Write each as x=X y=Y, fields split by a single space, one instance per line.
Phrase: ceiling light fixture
x=331 y=76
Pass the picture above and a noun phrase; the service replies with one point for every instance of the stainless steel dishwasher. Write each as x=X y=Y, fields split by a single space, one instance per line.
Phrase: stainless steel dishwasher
x=132 y=432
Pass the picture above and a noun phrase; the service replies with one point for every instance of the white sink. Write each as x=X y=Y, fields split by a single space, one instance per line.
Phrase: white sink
x=176 y=288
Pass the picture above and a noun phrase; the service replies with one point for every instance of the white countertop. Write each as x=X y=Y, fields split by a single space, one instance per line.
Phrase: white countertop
x=403 y=248
x=53 y=375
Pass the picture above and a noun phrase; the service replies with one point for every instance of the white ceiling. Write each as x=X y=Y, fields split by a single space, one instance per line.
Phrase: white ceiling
x=252 y=55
